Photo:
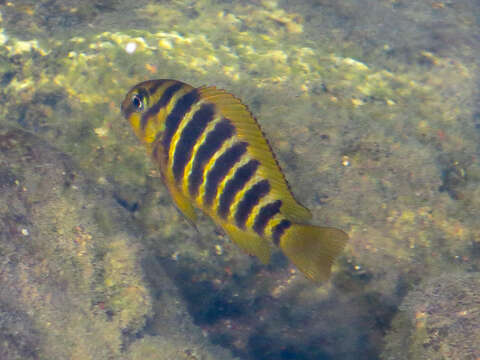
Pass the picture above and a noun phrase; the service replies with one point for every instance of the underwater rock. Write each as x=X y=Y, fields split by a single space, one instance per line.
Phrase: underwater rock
x=438 y=320
x=72 y=280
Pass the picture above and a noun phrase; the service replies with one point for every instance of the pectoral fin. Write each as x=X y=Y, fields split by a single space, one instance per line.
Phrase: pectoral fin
x=184 y=205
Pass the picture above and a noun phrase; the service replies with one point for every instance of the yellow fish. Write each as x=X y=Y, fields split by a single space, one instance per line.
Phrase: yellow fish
x=213 y=155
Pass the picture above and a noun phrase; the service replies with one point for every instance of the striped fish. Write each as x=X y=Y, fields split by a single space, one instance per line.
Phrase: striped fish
x=213 y=156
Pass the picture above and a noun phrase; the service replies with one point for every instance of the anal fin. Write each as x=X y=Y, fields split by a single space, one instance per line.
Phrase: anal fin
x=252 y=244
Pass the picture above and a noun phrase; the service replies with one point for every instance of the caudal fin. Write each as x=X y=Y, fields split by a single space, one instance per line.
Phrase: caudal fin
x=313 y=248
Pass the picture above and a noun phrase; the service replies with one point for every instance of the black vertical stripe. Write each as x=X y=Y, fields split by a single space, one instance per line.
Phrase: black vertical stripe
x=220 y=169
x=213 y=142
x=182 y=106
x=190 y=134
x=265 y=214
x=279 y=229
x=163 y=101
x=251 y=198
x=157 y=83
x=234 y=185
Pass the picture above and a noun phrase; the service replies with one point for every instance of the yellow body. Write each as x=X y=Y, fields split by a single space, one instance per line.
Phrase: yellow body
x=213 y=156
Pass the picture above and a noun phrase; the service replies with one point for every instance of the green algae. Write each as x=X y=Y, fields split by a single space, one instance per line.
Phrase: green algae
x=383 y=150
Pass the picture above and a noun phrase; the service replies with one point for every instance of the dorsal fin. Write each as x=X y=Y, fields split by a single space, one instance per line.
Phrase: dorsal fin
x=249 y=130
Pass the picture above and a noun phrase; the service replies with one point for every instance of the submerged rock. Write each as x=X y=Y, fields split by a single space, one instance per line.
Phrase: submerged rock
x=73 y=286
x=438 y=320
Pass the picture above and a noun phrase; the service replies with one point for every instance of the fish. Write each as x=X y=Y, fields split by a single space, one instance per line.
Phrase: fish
x=213 y=156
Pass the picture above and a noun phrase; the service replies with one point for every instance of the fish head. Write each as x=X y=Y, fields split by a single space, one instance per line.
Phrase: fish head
x=136 y=105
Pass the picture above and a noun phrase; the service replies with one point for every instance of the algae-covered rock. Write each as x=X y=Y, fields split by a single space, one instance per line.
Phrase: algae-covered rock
x=50 y=248
x=18 y=338
x=125 y=295
x=71 y=289
x=162 y=348
x=440 y=319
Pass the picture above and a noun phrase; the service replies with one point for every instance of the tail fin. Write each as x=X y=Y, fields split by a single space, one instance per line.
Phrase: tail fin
x=313 y=248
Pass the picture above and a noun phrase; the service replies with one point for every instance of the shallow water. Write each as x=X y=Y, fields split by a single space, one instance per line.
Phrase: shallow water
x=372 y=110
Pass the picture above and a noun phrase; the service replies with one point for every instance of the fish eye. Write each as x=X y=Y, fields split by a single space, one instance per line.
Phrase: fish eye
x=138 y=102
